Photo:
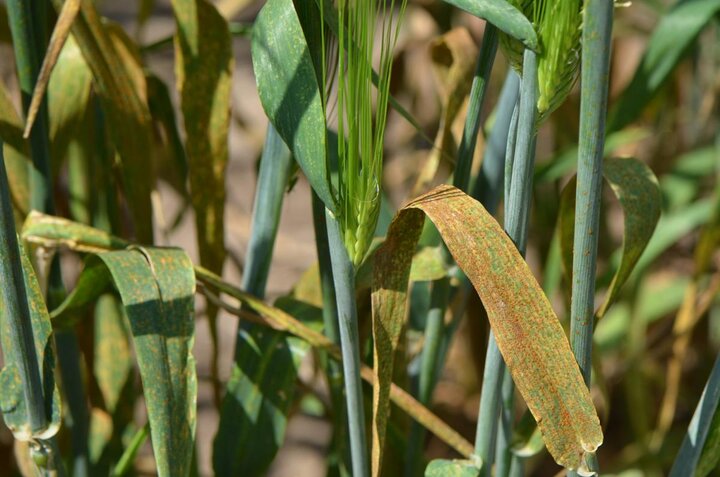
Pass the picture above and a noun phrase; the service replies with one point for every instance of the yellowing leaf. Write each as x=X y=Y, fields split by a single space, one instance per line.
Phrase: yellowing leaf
x=527 y=330
x=204 y=63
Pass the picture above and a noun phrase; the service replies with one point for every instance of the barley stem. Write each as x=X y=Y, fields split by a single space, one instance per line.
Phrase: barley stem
x=344 y=280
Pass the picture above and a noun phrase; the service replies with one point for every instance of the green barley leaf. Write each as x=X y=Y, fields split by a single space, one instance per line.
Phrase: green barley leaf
x=289 y=90
x=637 y=189
x=156 y=287
x=670 y=43
x=204 y=64
x=504 y=15
x=527 y=330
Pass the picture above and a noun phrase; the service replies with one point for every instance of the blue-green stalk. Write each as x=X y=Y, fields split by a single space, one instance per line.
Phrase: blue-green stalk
x=343 y=272
x=332 y=331
x=466 y=150
x=16 y=310
x=597 y=44
x=693 y=444
x=597 y=36
x=517 y=213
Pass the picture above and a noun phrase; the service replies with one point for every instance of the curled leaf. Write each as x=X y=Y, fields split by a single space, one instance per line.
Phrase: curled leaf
x=527 y=330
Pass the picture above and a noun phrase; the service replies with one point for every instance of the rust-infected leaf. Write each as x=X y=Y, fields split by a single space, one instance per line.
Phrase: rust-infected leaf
x=527 y=330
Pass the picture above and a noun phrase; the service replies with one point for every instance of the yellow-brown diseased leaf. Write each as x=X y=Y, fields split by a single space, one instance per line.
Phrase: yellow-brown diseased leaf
x=204 y=64
x=129 y=121
x=527 y=330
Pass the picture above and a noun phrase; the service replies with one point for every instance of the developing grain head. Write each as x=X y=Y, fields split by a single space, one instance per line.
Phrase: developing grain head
x=558 y=24
x=365 y=27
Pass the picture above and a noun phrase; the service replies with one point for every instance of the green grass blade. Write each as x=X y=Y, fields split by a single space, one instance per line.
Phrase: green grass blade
x=260 y=417
x=452 y=468
x=669 y=44
x=691 y=450
x=504 y=16
x=289 y=91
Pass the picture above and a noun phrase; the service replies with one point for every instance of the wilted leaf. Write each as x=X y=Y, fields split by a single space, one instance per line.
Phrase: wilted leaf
x=118 y=81
x=504 y=16
x=669 y=43
x=452 y=468
x=204 y=64
x=527 y=330
x=289 y=90
x=157 y=289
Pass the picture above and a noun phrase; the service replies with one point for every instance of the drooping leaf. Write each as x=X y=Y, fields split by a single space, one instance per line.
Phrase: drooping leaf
x=504 y=16
x=527 y=330
x=204 y=64
x=54 y=232
x=289 y=90
x=117 y=80
x=637 y=189
x=452 y=468
x=156 y=287
x=13 y=404
x=670 y=42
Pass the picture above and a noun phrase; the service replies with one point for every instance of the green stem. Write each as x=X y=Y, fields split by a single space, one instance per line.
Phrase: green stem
x=466 y=151
x=16 y=310
x=596 y=38
x=330 y=321
x=517 y=213
x=597 y=33
x=344 y=279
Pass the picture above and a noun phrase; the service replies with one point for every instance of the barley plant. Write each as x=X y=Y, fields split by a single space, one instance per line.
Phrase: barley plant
x=359 y=238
